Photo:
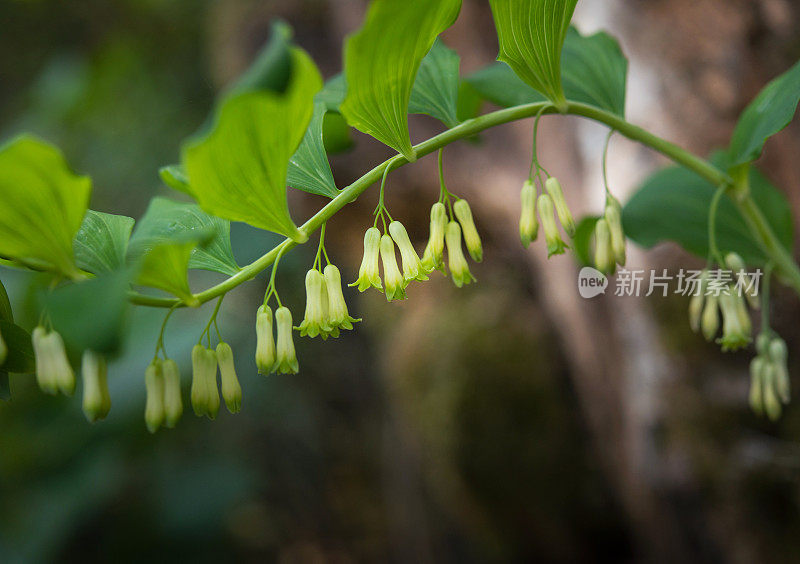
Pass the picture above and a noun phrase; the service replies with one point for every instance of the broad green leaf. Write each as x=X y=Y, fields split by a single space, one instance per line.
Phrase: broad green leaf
x=165 y=267
x=381 y=62
x=102 y=241
x=336 y=134
x=673 y=205
x=582 y=241
x=91 y=314
x=333 y=92
x=167 y=221
x=531 y=34
x=5 y=304
x=238 y=171
x=435 y=91
x=272 y=68
x=469 y=101
x=20 y=359
x=593 y=69
x=43 y=203
x=771 y=111
x=309 y=169
x=175 y=177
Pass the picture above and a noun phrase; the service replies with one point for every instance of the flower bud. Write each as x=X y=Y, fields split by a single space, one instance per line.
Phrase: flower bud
x=434 y=250
x=735 y=334
x=315 y=321
x=471 y=238
x=555 y=245
x=368 y=274
x=412 y=266
x=744 y=316
x=553 y=187
x=173 y=403
x=395 y=283
x=613 y=215
x=44 y=364
x=528 y=225
x=778 y=354
x=756 y=397
x=265 y=340
x=154 y=407
x=772 y=405
x=3 y=350
x=734 y=262
x=96 y=399
x=710 y=321
x=231 y=389
x=459 y=269
x=603 y=254
x=286 y=359
x=63 y=375
x=205 y=395
x=338 y=316
x=695 y=311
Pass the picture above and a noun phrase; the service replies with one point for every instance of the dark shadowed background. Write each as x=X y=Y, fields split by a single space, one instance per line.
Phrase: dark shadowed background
x=507 y=421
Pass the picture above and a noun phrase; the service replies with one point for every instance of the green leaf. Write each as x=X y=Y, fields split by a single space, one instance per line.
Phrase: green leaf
x=593 y=69
x=771 y=111
x=333 y=92
x=435 y=91
x=309 y=169
x=272 y=68
x=20 y=359
x=102 y=241
x=531 y=34
x=91 y=314
x=336 y=134
x=5 y=304
x=175 y=177
x=673 y=205
x=167 y=221
x=469 y=101
x=43 y=203
x=238 y=171
x=581 y=242
x=381 y=62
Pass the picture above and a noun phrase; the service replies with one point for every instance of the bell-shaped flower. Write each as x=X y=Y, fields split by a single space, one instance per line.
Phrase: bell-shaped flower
x=412 y=266
x=697 y=301
x=709 y=323
x=368 y=274
x=432 y=258
x=553 y=187
x=528 y=225
x=205 y=394
x=265 y=340
x=471 y=238
x=772 y=403
x=286 y=358
x=735 y=333
x=756 y=396
x=231 y=389
x=315 y=321
x=45 y=376
x=613 y=216
x=173 y=403
x=778 y=355
x=555 y=245
x=603 y=253
x=459 y=269
x=154 y=407
x=63 y=376
x=338 y=316
x=395 y=283
x=96 y=399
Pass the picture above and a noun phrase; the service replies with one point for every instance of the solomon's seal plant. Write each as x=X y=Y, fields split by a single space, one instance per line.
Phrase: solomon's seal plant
x=266 y=137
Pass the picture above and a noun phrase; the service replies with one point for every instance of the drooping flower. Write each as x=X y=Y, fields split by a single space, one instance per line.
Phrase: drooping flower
x=756 y=396
x=735 y=334
x=432 y=258
x=555 y=245
x=231 y=389
x=173 y=403
x=412 y=266
x=286 y=358
x=459 y=269
x=315 y=322
x=778 y=355
x=710 y=320
x=395 y=283
x=265 y=340
x=368 y=274
x=205 y=394
x=613 y=215
x=697 y=301
x=338 y=316
x=471 y=238
x=553 y=187
x=96 y=399
x=528 y=225
x=603 y=254
x=44 y=364
x=154 y=406
x=772 y=404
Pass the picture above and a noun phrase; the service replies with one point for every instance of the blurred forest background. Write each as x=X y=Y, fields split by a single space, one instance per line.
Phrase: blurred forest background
x=507 y=421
